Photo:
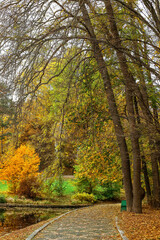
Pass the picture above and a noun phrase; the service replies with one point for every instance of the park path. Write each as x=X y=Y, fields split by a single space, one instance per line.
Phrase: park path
x=91 y=223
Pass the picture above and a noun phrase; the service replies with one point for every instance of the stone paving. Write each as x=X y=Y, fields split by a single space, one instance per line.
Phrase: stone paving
x=91 y=223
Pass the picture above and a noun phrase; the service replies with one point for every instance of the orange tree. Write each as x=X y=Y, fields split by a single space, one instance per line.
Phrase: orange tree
x=20 y=170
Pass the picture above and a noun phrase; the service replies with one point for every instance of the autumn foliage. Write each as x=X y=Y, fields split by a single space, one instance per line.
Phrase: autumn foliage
x=20 y=170
x=144 y=226
x=94 y=163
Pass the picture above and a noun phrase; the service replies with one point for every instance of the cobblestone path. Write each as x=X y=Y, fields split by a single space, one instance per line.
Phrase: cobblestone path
x=91 y=223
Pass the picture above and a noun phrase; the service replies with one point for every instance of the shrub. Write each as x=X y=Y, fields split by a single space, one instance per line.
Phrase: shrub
x=83 y=198
x=59 y=186
x=54 y=186
x=29 y=188
x=20 y=170
x=107 y=191
x=84 y=185
x=2 y=199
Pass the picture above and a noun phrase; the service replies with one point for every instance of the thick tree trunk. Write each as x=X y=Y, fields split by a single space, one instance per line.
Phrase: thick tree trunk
x=134 y=135
x=144 y=165
x=112 y=107
x=129 y=90
x=146 y=179
x=143 y=101
x=154 y=143
x=152 y=125
x=155 y=175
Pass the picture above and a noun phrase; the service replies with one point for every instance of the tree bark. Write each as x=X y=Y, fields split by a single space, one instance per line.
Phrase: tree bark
x=143 y=101
x=155 y=174
x=146 y=179
x=129 y=90
x=151 y=124
x=144 y=165
x=112 y=107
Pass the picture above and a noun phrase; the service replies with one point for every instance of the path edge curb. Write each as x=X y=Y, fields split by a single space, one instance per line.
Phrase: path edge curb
x=120 y=231
x=32 y=235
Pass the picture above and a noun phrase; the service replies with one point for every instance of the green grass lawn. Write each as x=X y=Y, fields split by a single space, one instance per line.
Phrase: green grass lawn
x=67 y=185
x=3 y=186
x=58 y=191
x=70 y=188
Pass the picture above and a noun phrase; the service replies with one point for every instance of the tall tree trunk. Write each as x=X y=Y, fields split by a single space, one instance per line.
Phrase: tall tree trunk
x=142 y=97
x=144 y=165
x=155 y=174
x=146 y=179
x=112 y=107
x=129 y=89
x=151 y=124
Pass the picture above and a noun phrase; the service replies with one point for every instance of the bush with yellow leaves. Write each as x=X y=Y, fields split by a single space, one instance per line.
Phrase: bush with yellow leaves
x=20 y=170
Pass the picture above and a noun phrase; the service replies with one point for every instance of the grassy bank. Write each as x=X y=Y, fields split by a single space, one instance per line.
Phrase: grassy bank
x=65 y=191
x=3 y=187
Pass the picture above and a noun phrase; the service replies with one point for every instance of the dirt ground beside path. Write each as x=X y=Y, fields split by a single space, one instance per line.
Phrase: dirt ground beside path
x=145 y=226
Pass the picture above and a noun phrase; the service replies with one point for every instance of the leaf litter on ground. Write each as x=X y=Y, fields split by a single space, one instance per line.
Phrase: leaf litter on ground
x=145 y=226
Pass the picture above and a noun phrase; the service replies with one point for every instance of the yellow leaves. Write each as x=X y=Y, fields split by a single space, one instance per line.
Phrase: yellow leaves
x=131 y=1
x=20 y=165
x=98 y=164
x=141 y=226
